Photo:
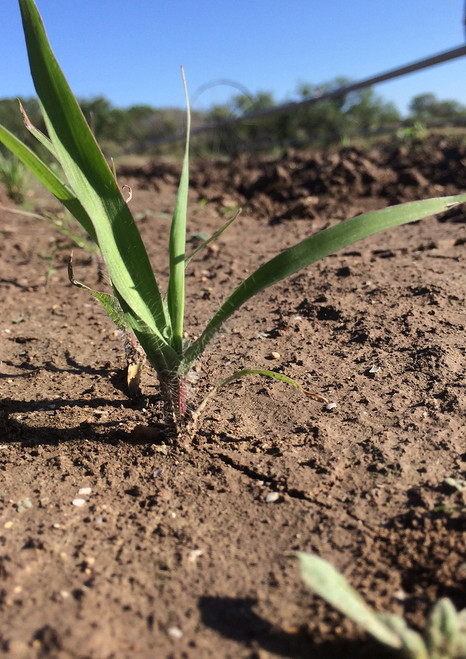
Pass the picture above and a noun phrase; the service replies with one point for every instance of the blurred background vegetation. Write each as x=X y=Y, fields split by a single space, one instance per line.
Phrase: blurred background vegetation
x=146 y=130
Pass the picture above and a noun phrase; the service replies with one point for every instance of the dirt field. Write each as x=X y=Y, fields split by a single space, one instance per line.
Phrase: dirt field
x=176 y=551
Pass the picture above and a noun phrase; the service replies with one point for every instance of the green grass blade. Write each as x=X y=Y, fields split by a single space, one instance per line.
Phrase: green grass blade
x=258 y=371
x=93 y=183
x=79 y=241
x=177 y=246
x=40 y=137
x=215 y=235
x=236 y=376
x=109 y=303
x=312 y=249
x=48 y=178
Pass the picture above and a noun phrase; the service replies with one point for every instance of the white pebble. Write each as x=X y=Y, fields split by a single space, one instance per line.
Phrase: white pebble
x=85 y=490
x=194 y=554
x=374 y=369
x=78 y=502
x=330 y=406
x=271 y=497
x=175 y=632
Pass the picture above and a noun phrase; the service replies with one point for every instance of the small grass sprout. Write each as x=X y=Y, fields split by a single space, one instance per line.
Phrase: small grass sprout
x=87 y=187
x=445 y=633
x=13 y=175
x=413 y=134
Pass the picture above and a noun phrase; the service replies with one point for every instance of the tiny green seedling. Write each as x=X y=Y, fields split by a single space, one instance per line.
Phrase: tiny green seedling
x=445 y=634
x=13 y=176
x=87 y=187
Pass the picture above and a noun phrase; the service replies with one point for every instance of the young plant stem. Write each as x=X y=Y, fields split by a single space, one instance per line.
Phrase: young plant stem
x=174 y=390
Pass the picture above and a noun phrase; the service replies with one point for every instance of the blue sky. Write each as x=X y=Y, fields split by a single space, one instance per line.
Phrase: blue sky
x=131 y=52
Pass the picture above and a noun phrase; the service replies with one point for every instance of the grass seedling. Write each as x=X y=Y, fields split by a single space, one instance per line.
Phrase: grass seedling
x=13 y=175
x=88 y=189
x=445 y=634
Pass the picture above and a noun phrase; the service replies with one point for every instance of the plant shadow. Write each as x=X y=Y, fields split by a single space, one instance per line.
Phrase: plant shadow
x=107 y=432
x=235 y=618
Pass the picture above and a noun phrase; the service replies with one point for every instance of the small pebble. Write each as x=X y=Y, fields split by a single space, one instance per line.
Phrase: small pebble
x=453 y=482
x=330 y=406
x=275 y=355
x=84 y=490
x=157 y=473
x=194 y=554
x=78 y=502
x=271 y=497
x=374 y=369
x=175 y=632
x=23 y=505
x=56 y=525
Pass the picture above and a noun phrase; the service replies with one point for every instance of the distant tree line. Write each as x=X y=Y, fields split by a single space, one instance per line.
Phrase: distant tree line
x=114 y=127
x=330 y=121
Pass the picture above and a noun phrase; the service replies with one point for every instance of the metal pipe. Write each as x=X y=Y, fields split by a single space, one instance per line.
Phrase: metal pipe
x=445 y=56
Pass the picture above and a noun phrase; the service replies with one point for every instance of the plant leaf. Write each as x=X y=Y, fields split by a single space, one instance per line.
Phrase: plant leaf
x=240 y=374
x=312 y=249
x=215 y=235
x=81 y=242
x=48 y=178
x=40 y=137
x=93 y=183
x=109 y=302
x=329 y=584
x=177 y=245
x=443 y=630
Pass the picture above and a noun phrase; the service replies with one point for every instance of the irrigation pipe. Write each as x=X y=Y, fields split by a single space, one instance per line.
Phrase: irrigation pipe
x=440 y=58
